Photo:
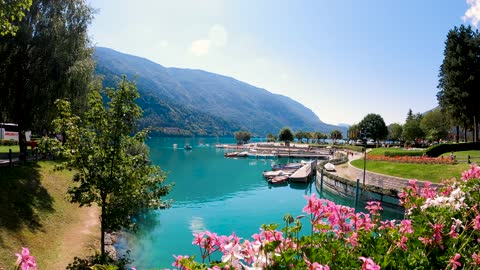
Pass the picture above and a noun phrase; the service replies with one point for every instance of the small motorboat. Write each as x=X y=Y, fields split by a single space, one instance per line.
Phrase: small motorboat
x=278 y=179
x=231 y=154
x=188 y=147
x=242 y=154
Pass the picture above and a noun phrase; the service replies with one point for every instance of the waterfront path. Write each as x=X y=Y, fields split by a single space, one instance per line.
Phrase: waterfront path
x=348 y=171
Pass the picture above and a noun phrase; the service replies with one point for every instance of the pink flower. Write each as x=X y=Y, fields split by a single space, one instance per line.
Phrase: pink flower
x=476 y=258
x=476 y=223
x=401 y=244
x=373 y=207
x=177 y=262
x=474 y=172
x=452 y=232
x=369 y=264
x=406 y=226
x=315 y=265
x=427 y=191
x=454 y=261
x=387 y=224
x=25 y=260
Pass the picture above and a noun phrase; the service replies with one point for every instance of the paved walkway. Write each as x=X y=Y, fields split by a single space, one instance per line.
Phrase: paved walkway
x=346 y=170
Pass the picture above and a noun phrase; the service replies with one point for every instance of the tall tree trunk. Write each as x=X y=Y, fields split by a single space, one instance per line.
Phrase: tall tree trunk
x=465 y=130
x=474 y=129
x=102 y=225
x=457 y=137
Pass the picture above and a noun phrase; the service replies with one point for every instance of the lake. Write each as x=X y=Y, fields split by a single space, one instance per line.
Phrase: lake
x=211 y=192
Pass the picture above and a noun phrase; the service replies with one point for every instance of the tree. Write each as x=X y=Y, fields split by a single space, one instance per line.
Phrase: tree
x=317 y=136
x=435 y=126
x=50 y=57
x=285 y=135
x=300 y=135
x=374 y=127
x=12 y=11
x=111 y=158
x=395 y=131
x=271 y=137
x=242 y=137
x=411 y=129
x=336 y=135
x=459 y=77
x=353 y=132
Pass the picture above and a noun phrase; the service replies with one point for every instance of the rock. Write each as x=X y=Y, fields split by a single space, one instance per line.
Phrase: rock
x=111 y=251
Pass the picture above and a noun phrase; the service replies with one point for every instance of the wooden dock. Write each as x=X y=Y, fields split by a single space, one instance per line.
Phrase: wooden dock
x=304 y=173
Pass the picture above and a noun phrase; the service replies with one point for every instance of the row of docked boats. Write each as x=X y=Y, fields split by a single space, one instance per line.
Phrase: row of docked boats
x=249 y=154
x=236 y=154
x=296 y=172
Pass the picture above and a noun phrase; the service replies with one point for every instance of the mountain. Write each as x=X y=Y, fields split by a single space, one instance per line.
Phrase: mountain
x=187 y=101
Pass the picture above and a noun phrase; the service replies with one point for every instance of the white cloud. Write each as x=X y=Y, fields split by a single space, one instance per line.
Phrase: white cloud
x=200 y=47
x=473 y=13
x=218 y=35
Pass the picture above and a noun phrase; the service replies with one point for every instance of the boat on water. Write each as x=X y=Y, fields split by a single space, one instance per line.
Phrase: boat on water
x=278 y=179
x=188 y=147
x=242 y=154
x=272 y=174
x=287 y=166
x=231 y=154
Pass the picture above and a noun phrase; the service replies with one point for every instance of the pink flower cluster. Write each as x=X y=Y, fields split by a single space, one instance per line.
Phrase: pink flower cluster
x=473 y=172
x=26 y=261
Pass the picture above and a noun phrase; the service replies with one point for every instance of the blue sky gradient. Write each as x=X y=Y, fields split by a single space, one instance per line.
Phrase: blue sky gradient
x=341 y=58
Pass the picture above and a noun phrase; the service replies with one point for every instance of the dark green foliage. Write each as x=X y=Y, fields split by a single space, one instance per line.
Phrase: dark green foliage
x=437 y=150
x=336 y=135
x=243 y=137
x=435 y=125
x=372 y=126
x=459 y=76
x=12 y=11
x=411 y=129
x=395 y=131
x=8 y=142
x=48 y=58
x=196 y=102
x=111 y=158
x=271 y=137
x=285 y=135
x=410 y=153
x=89 y=262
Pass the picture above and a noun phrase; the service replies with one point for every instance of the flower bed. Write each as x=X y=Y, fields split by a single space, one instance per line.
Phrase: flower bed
x=412 y=159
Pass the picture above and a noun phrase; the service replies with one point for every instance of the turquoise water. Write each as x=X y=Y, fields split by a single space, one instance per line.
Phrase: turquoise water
x=210 y=193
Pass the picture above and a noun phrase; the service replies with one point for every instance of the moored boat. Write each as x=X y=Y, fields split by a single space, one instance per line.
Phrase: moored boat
x=278 y=179
x=231 y=154
x=188 y=147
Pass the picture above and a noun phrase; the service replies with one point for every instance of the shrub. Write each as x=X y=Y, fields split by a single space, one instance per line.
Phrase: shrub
x=401 y=153
x=437 y=150
x=8 y=142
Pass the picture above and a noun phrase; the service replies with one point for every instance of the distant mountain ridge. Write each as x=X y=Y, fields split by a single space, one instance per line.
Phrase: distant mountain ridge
x=195 y=102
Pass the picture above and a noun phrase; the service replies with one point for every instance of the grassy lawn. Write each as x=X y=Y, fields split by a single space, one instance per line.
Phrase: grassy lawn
x=430 y=172
x=35 y=213
x=462 y=155
x=4 y=148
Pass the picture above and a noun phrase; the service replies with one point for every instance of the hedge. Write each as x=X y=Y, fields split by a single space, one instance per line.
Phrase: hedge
x=437 y=150
x=8 y=142
x=402 y=153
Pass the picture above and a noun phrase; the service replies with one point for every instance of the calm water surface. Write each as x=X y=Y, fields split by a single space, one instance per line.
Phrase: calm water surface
x=210 y=193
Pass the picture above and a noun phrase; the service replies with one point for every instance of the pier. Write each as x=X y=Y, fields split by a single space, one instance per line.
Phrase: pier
x=275 y=150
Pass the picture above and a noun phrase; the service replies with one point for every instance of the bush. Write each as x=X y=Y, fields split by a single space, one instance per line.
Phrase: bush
x=437 y=150
x=8 y=142
x=403 y=153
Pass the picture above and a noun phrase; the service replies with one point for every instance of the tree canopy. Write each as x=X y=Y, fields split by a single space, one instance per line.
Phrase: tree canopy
x=285 y=135
x=459 y=76
x=411 y=129
x=12 y=11
x=395 y=131
x=373 y=127
x=111 y=158
x=243 y=136
x=50 y=57
x=336 y=135
x=435 y=125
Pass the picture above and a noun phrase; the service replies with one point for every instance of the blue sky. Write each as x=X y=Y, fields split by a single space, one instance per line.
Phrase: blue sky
x=341 y=58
